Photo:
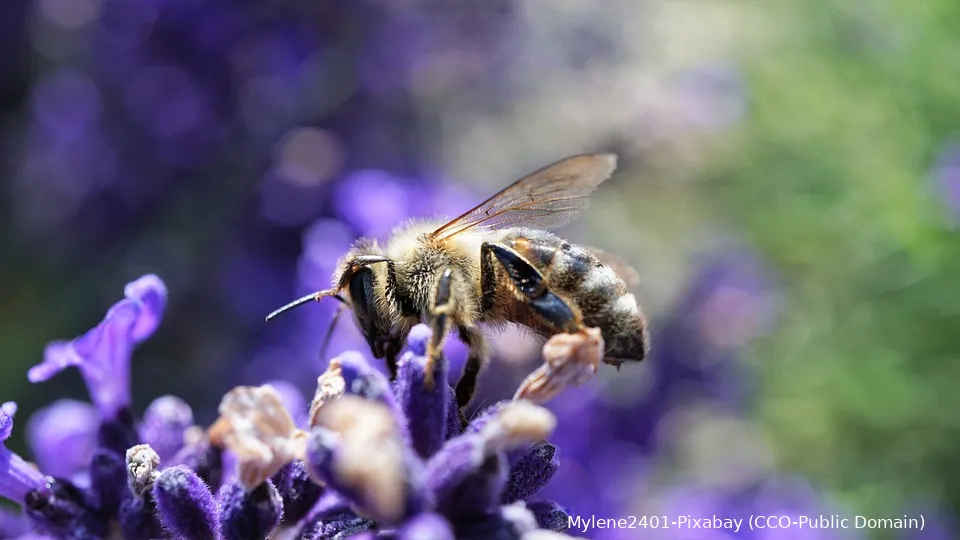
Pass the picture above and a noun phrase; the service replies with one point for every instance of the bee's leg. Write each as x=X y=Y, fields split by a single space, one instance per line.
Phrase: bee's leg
x=392 y=347
x=476 y=360
x=441 y=310
x=531 y=285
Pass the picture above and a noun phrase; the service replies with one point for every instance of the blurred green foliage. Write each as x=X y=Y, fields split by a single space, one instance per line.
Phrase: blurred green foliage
x=830 y=176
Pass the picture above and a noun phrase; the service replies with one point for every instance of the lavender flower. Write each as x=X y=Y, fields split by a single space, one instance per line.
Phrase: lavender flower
x=63 y=437
x=185 y=505
x=451 y=484
x=165 y=423
x=103 y=353
x=385 y=460
x=17 y=477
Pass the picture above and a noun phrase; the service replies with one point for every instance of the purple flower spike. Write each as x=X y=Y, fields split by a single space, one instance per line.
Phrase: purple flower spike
x=298 y=490
x=531 y=472
x=249 y=515
x=165 y=422
x=469 y=474
x=137 y=516
x=485 y=416
x=426 y=526
x=335 y=526
x=425 y=410
x=108 y=478
x=550 y=515
x=464 y=479
x=204 y=459
x=103 y=353
x=17 y=477
x=364 y=380
x=455 y=421
x=62 y=509
x=185 y=504
x=63 y=436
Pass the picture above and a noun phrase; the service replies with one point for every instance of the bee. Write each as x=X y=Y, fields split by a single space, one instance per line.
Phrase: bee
x=495 y=264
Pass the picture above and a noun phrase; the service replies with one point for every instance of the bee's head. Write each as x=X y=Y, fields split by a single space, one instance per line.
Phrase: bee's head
x=364 y=278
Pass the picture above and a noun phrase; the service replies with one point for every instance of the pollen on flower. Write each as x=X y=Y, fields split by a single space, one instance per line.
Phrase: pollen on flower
x=257 y=428
x=369 y=457
x=568 y=360
x=517 y=424
x=142 y=468
x=330 y=385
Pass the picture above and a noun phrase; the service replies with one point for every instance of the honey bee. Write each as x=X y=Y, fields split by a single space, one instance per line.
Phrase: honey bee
x=494 y=264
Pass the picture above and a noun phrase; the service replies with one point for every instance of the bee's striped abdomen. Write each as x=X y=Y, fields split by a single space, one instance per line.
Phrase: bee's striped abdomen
x=600 y=294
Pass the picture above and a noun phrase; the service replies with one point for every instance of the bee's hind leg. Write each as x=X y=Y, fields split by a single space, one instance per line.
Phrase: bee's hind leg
x=531 y=285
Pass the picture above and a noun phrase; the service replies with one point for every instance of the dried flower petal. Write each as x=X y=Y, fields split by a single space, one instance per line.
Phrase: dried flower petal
x=103 y=353
x=357 y=450
x=293 y=400
x=165 y=423
x=362 y=379
x=568 y=360
x=142 y=465
x=249 y=515
x=330 y=385
x=186 y=506
x=517 y=424
x=519 y=516
x=255 y=426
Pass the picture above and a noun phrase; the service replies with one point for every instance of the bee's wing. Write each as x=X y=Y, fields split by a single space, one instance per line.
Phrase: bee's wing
x=547 y=199
x=627 y=273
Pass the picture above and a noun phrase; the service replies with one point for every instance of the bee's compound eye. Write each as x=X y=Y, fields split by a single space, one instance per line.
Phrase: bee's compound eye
x=364 y=303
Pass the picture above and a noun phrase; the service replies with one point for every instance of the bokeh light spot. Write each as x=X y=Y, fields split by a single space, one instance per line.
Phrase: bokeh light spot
x=308 y=156
x=65 y=102
x=165 y=99
x=70 y=14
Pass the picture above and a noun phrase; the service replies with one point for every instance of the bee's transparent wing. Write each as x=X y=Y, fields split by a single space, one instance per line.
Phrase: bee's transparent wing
x=547 y=199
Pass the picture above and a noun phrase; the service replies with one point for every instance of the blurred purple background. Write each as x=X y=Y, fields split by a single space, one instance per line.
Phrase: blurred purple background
x=237 y=148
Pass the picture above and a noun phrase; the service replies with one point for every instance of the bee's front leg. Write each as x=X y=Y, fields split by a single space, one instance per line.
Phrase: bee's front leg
x=441 y=311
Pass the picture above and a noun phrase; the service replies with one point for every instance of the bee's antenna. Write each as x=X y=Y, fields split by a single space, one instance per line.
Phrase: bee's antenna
x=317 y=296
x=333 y=324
